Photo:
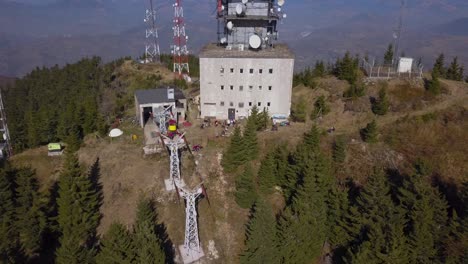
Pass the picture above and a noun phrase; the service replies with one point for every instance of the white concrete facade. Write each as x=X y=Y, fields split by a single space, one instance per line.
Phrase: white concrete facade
x=230 y=85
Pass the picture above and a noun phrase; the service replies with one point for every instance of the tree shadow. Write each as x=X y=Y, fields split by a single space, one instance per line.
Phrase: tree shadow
x=451 y=192
x=94 y=175
x=166 y=243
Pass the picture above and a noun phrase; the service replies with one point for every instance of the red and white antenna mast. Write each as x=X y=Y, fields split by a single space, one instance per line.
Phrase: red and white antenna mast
x=179 y=48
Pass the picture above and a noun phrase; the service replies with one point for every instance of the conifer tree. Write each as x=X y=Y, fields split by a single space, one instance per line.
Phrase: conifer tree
x=380 y=225
x=320 y=107
x=263 y=120
x=453 y=72
x=434 y=84
x=266 y=174
x=245 y=189
x=78 y=211
x=8 y=234
x=250 y=139
x=261 y=246
x=254 y=116
x=439 y=66
x=319 y=70
x=280 y=156
x=116 y=246
x=369 y=133
x=299 y=111
x=347 y=69
x=456 y=240
x=148 y=247
x=235 y=155
x=380 y=107
x=339 y=150
x=30 y=218
x=338 y=206
x=388 y=57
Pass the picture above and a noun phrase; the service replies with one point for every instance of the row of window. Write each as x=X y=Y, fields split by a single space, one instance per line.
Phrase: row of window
x=241 y=88
x=241 y=105
x=251 y=71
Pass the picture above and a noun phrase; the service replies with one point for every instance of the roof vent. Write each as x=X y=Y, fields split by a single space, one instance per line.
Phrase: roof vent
x=170 y=93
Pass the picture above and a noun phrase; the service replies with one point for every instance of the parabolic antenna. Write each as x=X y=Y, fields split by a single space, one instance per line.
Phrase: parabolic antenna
x=223 y=40
x=240 y=9
x=230 y=25
x=255 y=41
x=280 y=2
x=245 y=1
x=115 y=133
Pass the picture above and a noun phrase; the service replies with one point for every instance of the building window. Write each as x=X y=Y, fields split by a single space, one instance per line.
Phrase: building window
x=209 y=103
x=270 y=70
x=222 y=103
x=241 y=88
x=232 y=70
x=268 y=104
x=259 y=104
x=241 y=70
x=231 y=104
x=250 y=103
x=241 y=105
x=232 y=87
x=250 y=87
x=269 y=88
x=260 y=87
x=260 y=71
x=251 y=71
x=222 y=87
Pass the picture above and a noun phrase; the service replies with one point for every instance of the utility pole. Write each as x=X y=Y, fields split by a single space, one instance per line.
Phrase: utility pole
x=397 y=33
x=152 y=53
x=179 y=48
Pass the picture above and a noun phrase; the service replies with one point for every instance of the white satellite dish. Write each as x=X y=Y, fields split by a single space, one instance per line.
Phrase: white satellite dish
x=240 y=9
x=281 y=2
x=115 y=133
x=223 y=40
x=245 y=1
x=255 y=41
x=230 y=25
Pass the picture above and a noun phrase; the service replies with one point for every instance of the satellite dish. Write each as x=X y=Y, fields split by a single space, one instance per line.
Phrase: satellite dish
x=240 y=9
x=230 y=25
x=223 y=40
x=115 y=133
x=281 y=2
x=255 y=41
x=245 y=1
x=285 y=16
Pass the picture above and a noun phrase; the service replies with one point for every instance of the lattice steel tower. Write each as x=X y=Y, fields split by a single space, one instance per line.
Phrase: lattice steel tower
x=5 y=146
x=179 y=48
x=152 y=53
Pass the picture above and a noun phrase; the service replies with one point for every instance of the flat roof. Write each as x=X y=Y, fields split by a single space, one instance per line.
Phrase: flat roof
x=158 y=95
x=278 y=51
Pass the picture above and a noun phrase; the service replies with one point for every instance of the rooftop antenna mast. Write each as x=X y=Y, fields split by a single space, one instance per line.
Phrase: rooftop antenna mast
x=179 y=48
x=5 y=145
x=152 y=53
x=397 y=33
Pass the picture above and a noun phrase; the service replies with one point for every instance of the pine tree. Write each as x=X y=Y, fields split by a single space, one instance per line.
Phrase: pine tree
x=388 y=57
x=78 y=211
x=235 y=155
x=266 y=174
x=320 y=107
x=116 y=246
x=439 y=66
x=30 y=218
x=380 y=225
x=263 y=120
x=380 y=107
x=280 y=157
x=299 y=111
x=261 y=246
x=347 y=69
x=434 y=84
x=254 y=116
x=369 y=133
x=250 y=139
x=456 y=241
x=319 y=70
x=453 y=72
x=245 y=188
x=148 y=246
x=8 y=233
x=339 y=150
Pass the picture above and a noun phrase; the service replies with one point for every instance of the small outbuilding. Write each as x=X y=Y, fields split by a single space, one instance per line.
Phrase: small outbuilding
x=149 y=102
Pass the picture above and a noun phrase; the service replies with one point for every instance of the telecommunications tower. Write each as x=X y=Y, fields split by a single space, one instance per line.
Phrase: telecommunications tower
x=179 y=48
x=5 y=146
x=397 y=33
x=152 y=53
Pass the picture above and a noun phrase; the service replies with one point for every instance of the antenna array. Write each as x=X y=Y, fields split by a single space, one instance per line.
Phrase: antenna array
x=179 y=48
x=152 y=53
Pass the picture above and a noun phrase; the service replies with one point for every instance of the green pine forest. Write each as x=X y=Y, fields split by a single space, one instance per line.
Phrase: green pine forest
x=393 y=217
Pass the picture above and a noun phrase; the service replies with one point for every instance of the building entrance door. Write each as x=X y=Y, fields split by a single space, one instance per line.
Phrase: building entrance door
x=231 y=113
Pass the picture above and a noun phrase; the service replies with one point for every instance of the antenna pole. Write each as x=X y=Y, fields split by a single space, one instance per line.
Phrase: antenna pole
x=179 y=48
x=152 y=53
x=398 y=32
x=5 y=140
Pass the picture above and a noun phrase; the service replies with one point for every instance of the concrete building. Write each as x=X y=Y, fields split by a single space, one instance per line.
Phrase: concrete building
x=245 y=68
x=233 y=81
x=148 y=102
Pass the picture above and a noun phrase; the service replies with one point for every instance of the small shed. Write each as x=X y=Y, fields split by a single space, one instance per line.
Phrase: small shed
x=151 y=101
x=405 y=65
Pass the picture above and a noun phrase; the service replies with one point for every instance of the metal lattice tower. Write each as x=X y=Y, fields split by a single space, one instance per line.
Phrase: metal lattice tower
x=5 y=140
x=179 y=48
x=174 y=145
x=161 y=118
x=397 y=34
x=192 y=241
x=152 y=53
